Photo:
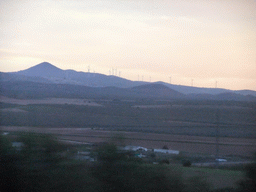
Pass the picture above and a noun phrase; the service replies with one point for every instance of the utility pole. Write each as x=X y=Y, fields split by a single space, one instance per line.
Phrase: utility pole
x=217 y=133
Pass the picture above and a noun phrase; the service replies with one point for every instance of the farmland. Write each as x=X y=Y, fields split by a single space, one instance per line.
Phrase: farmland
x=197 y=119
x=194 y=144
x=182 y=125
x=185 y=126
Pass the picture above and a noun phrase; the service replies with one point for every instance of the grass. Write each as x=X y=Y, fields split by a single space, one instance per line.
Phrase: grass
x=123 y=117
x=217 y=178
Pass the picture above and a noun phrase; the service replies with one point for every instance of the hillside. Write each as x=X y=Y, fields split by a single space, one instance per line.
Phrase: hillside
x=59 y=76
x=157 y=90
x=56 y=81
x=27 y=89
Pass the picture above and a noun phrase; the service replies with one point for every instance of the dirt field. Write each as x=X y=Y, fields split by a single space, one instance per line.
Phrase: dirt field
x=190 y=106
x=16 y=110
x=194 y=144
x=49 y=101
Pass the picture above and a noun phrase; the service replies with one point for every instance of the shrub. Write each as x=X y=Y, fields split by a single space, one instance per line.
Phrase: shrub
x=186 y=163
x=165 y=161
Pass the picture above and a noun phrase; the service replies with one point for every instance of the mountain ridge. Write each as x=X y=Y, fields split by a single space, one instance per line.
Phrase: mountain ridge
x=47 y=73
x=69 y=76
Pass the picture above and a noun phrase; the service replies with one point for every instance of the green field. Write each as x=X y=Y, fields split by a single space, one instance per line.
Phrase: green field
x=237 y=119
x=217 y=178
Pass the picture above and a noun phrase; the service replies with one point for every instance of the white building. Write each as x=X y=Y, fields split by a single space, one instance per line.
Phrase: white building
x=134 y=148
x=166 y=151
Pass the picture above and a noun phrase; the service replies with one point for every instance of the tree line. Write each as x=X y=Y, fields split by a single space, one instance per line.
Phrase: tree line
x=41 y=163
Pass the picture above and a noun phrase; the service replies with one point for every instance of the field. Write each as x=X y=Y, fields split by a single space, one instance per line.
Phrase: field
x=185 y=143
x=189 y=126
x=216 y=178
x=59 y=101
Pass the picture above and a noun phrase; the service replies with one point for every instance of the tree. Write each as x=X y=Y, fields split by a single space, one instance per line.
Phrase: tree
x=41 y=149
x=116 y=172
x=9 y=171
x=196 y=184
x=31 y=168
x=186 y=163
x=249 y=182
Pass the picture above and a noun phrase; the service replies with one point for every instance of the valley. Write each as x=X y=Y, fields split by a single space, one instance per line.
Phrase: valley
x=87 y=107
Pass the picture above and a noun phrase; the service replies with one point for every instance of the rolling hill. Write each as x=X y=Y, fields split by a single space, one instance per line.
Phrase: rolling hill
x=55 y=75
x=46 y=80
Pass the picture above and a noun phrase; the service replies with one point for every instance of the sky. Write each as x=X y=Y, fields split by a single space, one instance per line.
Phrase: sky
x=202 y=43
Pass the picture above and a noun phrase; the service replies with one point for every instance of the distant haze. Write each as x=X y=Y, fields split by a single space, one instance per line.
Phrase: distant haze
x=201 y=43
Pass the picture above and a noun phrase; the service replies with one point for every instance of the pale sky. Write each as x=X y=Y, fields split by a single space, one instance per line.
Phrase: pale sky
x=199 y=41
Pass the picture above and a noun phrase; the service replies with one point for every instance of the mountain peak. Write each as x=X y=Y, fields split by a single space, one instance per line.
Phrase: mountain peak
x=44 y=69
x=45 y=65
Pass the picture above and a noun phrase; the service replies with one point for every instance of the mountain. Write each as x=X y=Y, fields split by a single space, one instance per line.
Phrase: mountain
x=26 y=89
x=45 y=70
x=35 y=90
x=234 y=96
x=47 y=73
x=59 y=76
x=227 y=96
x=246 y=92
x=207 y=91
x=16 y=77
x=157 y=90
x=196 y=90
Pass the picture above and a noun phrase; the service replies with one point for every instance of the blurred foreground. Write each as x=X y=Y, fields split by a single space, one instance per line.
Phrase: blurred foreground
x=38 y=162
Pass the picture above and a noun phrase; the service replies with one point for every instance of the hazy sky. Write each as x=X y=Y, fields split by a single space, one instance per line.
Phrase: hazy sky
x=203 y=40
